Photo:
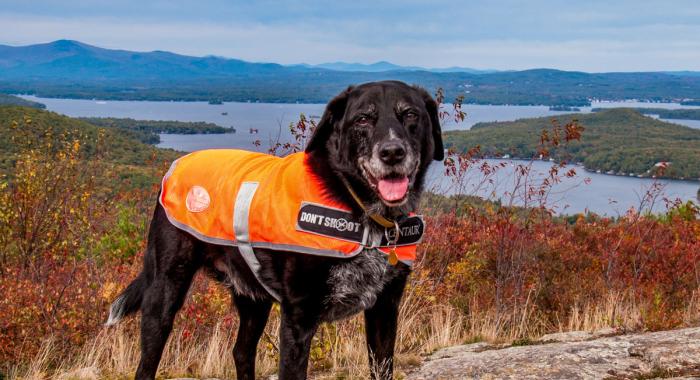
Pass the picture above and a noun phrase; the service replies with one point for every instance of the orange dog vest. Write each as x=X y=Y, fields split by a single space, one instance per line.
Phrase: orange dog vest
x=254 y=200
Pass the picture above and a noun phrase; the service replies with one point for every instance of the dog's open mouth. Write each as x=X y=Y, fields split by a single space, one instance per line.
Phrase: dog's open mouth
x=392 y=188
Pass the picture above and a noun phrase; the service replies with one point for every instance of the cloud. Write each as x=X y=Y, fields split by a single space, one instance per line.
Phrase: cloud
x=511 y=34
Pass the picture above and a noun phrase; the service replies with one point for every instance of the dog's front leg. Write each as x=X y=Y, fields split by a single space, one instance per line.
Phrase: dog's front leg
x=381 y=321
x=298 y=327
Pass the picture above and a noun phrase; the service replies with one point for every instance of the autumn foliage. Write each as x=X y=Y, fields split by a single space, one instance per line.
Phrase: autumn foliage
x=70 y=242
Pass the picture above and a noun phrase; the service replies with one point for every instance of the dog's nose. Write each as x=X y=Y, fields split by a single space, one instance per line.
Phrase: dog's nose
x=392 y=152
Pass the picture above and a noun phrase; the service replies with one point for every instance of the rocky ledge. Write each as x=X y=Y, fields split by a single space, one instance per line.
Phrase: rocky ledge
x=575 y=355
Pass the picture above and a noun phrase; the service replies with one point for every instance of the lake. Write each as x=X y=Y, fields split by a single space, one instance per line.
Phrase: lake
x=603 y=194
x=600 y=193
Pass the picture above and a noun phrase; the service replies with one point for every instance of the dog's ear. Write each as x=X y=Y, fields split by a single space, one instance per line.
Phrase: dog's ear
x=334 y=112
x=432 y=107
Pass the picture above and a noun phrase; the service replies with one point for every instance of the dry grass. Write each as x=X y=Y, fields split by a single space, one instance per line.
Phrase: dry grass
x=691 y=317
x=339 y=349
x=616 y=310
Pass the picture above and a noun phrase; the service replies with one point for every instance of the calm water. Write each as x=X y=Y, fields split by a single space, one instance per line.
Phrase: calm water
x=611 y=195
x=599 y=193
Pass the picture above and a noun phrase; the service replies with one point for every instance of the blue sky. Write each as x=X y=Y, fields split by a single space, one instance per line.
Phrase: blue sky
x=592 y=35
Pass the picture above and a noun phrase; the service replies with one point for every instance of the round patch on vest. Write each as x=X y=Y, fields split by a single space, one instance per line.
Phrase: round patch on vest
x=197 y=199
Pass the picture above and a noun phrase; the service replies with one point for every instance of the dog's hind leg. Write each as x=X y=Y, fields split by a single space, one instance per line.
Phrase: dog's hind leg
x=171 y=263
x=253 y=318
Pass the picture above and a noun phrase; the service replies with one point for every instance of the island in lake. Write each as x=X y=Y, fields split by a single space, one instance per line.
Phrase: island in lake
x=615 y=141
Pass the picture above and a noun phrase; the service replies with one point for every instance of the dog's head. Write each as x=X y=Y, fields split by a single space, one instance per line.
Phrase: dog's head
x=382 y=137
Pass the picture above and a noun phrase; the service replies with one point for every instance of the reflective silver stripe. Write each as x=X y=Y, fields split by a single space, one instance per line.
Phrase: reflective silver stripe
x=241 y=209
x=197 y=235
x=311 y=251
x=365 y=235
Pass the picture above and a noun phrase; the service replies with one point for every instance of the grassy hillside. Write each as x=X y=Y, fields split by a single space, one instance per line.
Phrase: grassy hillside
x=621 y=140
x=23 y=127
x=9 y=100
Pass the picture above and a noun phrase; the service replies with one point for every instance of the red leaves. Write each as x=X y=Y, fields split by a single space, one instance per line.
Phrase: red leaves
x=301 y=131
x=551 y=139
x=573 y=131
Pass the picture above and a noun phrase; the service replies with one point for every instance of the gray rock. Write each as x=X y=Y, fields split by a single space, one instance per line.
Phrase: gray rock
x=578 y=336
x=649 y=355
x=571 y=336
x=457 y=350
x=608 y=331
x=87 y=373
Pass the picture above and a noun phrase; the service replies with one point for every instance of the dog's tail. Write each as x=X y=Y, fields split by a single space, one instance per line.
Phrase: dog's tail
x=129 y=301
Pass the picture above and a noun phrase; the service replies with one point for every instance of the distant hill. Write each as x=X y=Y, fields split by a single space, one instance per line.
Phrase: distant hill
x=383 y=66
x=72 y=69
x=9 y=100
x=70 y=60
x=148 y=131
x=684 y=73
x=618 y=140
x=664 y=113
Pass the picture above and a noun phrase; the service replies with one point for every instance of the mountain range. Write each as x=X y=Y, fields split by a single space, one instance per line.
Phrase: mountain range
x=66 y=68
x=382 y=66
x=66 y=59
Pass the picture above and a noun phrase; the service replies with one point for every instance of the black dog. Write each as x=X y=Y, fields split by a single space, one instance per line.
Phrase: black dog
x=368 y=136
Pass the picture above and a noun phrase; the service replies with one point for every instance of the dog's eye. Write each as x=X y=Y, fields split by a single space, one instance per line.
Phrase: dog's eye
x=410 y=116
x=362 y=120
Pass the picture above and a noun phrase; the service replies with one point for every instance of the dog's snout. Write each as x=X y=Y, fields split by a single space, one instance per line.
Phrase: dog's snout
x=392 y=152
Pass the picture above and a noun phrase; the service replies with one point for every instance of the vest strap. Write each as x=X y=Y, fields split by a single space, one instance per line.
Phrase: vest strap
x=241 y=210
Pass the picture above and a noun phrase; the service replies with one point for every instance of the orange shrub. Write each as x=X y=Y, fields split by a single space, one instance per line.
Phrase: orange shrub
x=495 y=260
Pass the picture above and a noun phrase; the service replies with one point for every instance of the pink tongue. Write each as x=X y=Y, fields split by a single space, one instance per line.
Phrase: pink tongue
x=393 y=189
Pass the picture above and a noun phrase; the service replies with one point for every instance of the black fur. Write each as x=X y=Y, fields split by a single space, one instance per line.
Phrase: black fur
x=313 y=289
